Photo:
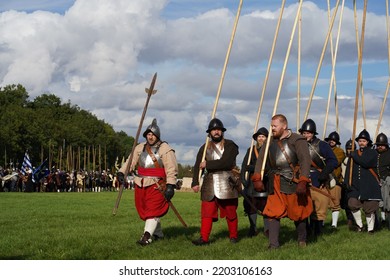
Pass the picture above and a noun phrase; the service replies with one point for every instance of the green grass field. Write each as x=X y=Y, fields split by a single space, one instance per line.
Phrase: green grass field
x=80 y=226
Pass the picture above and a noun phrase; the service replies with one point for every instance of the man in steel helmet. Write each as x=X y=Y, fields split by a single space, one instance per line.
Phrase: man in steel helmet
x=335 y=190
x=258 y=199
x=323 y=162
x=383 y=169
x=156 y=166
x=216 y=191
x=364 y=187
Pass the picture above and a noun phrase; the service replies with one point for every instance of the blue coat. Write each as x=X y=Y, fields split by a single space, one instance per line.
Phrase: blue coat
x=365 y=185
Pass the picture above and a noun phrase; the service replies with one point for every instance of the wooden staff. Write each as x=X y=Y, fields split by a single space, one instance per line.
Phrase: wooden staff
x=358 y=51
x=383 y=109
x=388 y=33
x=299 y=72
x=358 y=83
x=265 y=82
x=281 y=83
x=334 y=57
x=321 y=59
x=85 y=159
x=388 y=81
x=150 y=91
x=222 y=78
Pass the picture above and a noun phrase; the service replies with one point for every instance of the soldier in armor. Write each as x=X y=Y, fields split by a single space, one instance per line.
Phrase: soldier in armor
x=323 y=162
x=364 y=189
x=257 y=199
x=288 y=168
x=335 y=189
x=217 y=191
x=155 y=181
x=383 y=170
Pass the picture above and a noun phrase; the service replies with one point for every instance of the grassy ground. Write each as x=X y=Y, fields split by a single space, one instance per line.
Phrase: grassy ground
x=80 y=226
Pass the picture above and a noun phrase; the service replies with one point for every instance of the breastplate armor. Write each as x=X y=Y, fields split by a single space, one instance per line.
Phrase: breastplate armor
x=145 y=160
x=216 y=183
x=314 y=149
x=280 y=164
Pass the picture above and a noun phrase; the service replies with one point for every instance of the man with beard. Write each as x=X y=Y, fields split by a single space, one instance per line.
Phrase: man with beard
x=256 y=199
x=335 y=190
x=364 y=189
x=217 y=192
x=288 y=169
x=383 y=169
x=155 y=181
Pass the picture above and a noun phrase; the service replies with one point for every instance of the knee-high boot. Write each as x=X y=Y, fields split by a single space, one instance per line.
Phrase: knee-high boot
x=301 y=232
x=252 y=225
x=274 y=229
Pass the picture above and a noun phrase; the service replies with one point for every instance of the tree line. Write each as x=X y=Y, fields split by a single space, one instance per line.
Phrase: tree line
x=63 y=133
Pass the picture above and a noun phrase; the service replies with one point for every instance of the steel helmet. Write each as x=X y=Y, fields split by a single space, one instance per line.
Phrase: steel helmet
x=381 y=139
x=215 y=124
x=334 y=136
x=153 y=127
x=364 y=135
x=309 y=125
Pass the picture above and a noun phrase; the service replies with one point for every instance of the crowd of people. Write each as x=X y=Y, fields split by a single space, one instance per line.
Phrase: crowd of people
x=296 y=176
x=56 y=180
x=283 y=175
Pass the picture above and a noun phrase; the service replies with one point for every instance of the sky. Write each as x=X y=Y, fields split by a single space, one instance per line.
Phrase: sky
x=101 y=55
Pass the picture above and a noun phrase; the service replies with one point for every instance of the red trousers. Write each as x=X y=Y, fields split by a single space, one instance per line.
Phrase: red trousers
x=209 y=213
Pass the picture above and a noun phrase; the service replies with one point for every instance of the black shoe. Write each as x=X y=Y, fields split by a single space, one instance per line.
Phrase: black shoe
x=371 y=232
x=156 y=237
x=145 y=239
x=233 y=240
x=200 y=242
x=252 y=233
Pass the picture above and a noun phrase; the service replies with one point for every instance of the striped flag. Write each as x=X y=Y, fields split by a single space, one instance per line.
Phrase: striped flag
x=26 y=164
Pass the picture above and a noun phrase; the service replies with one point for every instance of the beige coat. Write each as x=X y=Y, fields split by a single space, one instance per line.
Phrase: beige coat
x=168 y=157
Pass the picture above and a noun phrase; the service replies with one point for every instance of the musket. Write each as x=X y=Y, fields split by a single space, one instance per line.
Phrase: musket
x=171 y=204
x=249 y=201
x=150 y=91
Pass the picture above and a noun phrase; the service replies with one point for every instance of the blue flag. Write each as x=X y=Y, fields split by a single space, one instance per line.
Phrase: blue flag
x=41 y=172
x=26 y=165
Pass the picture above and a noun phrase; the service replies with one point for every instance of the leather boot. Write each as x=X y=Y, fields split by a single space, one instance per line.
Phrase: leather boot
x=274 y=229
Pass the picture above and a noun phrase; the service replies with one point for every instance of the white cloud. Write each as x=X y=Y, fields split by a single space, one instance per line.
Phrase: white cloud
x=102 y=54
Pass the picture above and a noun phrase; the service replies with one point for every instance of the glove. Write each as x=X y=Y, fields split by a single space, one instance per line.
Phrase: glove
x=323 y=177
x=301 y=192
x=301 y=188
x=121 y=177
x=169 y=192
x=257 y=183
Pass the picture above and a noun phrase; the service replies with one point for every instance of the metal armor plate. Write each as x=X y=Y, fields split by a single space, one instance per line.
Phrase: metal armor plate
x=217 y=183
x=146 y=161
x=314 y=149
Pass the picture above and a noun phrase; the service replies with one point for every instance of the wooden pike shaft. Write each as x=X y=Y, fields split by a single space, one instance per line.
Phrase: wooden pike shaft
x=265 y=82
x=222 y=77
x=150 y=91
x=358 y=83
x=280 y=84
